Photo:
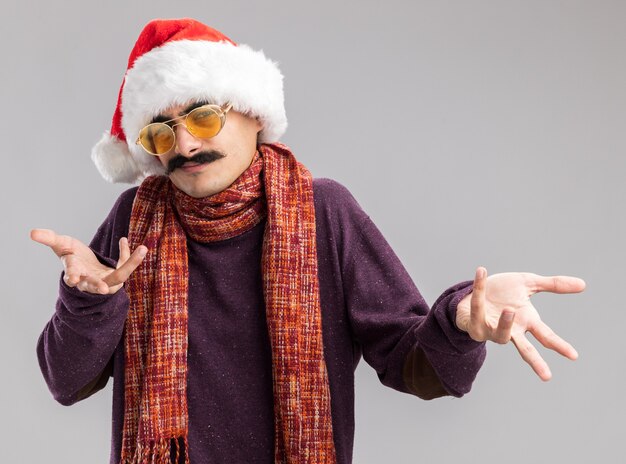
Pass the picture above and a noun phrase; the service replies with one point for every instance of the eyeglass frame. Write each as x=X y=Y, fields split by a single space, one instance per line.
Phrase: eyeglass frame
x=225 y=108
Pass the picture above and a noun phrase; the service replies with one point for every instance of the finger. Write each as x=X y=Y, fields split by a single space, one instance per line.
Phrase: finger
x=70 y=280
x=124 y=252
x=73 y=270
x=557 y=284
x=120 y=275
x=551 y=340
x=530 y=354
x=44 y=236
x=92 y=284
x=477 y=302
x=502 y=334
x=60 y=244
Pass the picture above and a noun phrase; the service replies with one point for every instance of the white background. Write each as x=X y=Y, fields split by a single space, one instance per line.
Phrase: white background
x=473 y=133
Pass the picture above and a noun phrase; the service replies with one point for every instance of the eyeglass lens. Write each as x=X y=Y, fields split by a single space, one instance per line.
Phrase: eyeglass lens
x=159 y=138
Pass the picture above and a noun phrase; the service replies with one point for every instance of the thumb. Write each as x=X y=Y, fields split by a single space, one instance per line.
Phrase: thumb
x=44 y=236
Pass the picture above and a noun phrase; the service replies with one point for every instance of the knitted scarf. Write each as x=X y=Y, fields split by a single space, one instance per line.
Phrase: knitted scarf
x=275 y=186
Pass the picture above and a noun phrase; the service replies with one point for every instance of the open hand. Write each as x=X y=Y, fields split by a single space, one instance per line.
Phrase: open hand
x=499 y=310
x=83 y=270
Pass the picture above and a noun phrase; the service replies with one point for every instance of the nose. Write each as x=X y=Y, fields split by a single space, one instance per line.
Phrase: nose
x=186 y=143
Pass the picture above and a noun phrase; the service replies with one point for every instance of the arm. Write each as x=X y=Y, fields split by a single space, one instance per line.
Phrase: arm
x=76 y=346
x=453 y=357
x=412 y=349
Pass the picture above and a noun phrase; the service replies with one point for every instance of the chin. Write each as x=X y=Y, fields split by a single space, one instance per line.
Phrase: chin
x=200 y=191
x=203 y=183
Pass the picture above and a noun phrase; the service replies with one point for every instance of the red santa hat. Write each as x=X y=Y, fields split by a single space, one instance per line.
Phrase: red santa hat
x=175 y=61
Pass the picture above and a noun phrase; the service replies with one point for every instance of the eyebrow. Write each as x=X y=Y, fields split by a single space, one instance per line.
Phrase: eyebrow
x=193 y=106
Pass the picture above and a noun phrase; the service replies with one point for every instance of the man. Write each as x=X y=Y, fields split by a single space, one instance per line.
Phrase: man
x=231 y=295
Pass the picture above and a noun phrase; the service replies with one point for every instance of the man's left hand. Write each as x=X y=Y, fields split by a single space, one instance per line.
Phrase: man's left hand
x=499 y=310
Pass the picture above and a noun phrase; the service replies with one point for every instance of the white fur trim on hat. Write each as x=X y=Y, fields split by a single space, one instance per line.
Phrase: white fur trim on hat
x=182 y=71
x=113 y=160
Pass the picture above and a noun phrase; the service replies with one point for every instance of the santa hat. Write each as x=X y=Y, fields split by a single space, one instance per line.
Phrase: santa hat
x=175 y=61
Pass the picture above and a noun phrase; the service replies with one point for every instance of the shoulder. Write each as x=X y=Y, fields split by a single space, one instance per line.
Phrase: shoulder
x=114 y=226
x=329 y=192
x=126 y=198
x=123 y=206
x=335 y=205
x=326 y=188
x=118 y=218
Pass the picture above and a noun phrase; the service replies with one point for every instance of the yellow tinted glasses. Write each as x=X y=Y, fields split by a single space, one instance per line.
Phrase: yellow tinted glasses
x=204 y=122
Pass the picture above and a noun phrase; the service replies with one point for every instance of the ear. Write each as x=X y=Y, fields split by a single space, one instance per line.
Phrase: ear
x=259 y=125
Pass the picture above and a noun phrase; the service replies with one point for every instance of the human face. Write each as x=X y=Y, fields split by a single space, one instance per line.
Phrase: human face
x=208 y=166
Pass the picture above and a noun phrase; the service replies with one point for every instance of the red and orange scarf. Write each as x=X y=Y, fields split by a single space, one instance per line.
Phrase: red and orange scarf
x=275 y=185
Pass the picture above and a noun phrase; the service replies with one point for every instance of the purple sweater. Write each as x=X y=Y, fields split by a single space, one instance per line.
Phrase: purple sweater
x=370 y=308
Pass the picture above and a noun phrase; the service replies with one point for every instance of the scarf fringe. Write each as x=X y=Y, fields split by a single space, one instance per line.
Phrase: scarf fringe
x=160 y=452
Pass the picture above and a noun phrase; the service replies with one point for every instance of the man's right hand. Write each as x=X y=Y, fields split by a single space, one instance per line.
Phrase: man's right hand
x=82 y=268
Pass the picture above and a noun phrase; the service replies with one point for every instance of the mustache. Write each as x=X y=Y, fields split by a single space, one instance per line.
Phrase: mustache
x=200 y=158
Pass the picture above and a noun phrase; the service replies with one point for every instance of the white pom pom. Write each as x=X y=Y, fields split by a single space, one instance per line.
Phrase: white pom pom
x=114 y=161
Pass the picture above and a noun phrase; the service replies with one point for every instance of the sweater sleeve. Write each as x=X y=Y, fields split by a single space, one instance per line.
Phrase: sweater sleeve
x=413 y=349
x=76 y=346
